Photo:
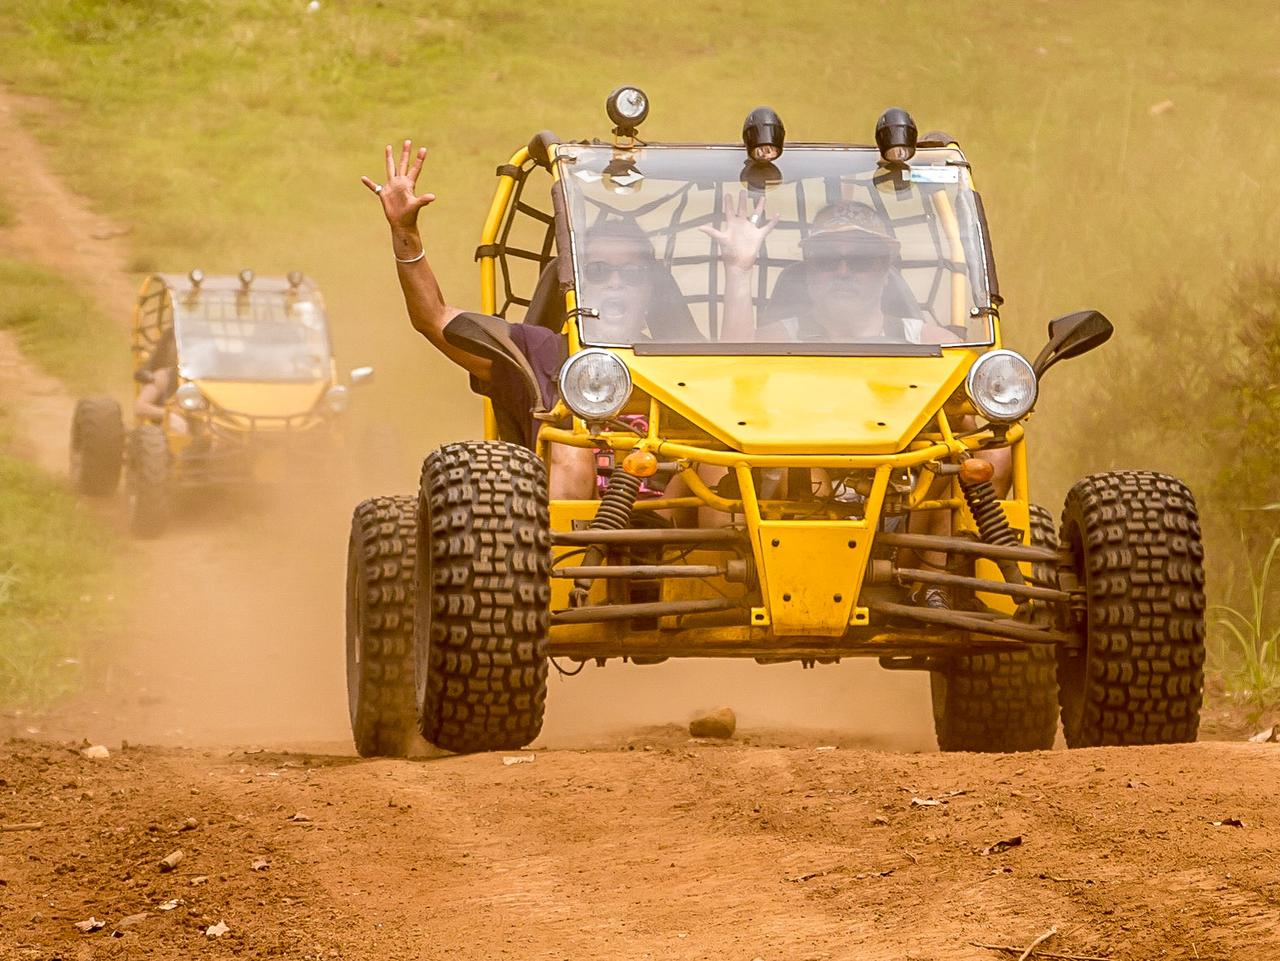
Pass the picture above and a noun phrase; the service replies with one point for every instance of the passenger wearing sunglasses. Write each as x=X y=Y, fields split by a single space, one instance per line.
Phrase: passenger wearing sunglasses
x=630 y=300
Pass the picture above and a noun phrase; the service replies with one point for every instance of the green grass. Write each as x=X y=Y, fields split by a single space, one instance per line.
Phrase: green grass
x=60 y=329
x=55 y=572
x=1245 y=641
x=232 y=132
x=55 y=558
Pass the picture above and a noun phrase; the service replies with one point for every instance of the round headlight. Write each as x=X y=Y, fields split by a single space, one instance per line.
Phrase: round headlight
x=189 y=397
x=595 y=384
x=1002 y=386
x=627 y=107
x=337 y=398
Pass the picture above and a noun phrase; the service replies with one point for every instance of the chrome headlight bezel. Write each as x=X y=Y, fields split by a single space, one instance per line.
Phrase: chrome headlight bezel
x=337 y=399
x=977 y=385
x=189 y=397
x=612 y=365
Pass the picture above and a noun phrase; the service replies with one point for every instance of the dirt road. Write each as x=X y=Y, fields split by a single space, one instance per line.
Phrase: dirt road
x=657 y=847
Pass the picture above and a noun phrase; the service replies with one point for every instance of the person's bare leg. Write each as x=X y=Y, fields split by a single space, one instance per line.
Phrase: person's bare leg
x=1002 y=460
x=573 y=473
x=931 y=522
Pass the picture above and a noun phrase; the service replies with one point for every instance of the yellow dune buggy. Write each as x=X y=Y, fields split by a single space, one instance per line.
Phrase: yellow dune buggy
x=764 y=460
x=234 y=382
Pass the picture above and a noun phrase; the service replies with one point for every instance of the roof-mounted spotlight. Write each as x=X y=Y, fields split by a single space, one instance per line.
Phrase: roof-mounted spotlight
x=896 y=136
x=627 y=107
x=295 y=278
x=246 y=278
x=936 y=138
x=196 y=277
x=763 y=135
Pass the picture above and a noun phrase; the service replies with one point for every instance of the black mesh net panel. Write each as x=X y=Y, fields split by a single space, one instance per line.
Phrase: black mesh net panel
x=526 y=243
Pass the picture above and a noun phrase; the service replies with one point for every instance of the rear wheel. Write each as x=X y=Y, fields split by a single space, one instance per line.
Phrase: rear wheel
x=1135 y=540
x=148 y=482
x=97 y=446
x=483 y=592
x=380 y=563
x=1006 y=701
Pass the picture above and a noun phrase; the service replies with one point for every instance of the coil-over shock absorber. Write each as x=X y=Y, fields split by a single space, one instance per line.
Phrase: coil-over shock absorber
x=993 y=526
x=613 y=514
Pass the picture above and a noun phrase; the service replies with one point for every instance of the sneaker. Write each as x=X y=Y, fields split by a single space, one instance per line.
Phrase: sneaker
x=937 y=598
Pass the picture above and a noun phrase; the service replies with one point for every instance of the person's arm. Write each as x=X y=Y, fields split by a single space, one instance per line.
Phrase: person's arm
x=149 y=404
x=740 y=242
x=429 y=312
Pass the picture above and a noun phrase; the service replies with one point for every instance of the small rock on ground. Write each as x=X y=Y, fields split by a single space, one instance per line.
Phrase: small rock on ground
x=719 y=723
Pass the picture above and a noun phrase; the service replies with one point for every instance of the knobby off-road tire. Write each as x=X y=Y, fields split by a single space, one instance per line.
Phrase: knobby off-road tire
x=483 y=592
x=380 y=564
x=1006 y=701
x=147 y=481
x=1135 y=537
x=97 y=446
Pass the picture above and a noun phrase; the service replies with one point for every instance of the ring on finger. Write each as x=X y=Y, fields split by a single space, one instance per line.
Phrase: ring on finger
x=754 y=219
x=377 y=188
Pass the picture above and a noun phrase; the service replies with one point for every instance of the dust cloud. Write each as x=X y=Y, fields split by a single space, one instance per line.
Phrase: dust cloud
x=851 y=703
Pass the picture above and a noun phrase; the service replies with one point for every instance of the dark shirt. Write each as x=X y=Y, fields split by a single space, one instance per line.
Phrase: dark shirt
x=506 y=387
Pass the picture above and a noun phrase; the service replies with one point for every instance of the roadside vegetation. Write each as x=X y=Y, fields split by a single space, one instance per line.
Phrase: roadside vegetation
x=61 y=329
x=57 y=559
x=1215 y=403
x=55 y=575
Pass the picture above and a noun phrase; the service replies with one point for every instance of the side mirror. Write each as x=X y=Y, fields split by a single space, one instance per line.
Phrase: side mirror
x=144 y=376
x=361 y=375
x=1072 y=335
x=487 y=336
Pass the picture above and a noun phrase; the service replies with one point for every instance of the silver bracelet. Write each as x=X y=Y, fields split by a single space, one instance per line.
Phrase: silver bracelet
x=412 y=260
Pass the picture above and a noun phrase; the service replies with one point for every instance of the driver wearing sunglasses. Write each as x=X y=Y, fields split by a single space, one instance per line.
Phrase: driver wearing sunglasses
x=838 y=297
x=835 y=295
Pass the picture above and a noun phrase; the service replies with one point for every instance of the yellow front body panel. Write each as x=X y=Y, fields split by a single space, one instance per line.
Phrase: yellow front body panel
x=804 y=405
x=563 y=516
x=811 y=572
x=263 y=399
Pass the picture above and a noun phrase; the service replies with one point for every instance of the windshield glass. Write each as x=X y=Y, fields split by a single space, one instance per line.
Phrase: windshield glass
x=689 y=245
x=264 y=336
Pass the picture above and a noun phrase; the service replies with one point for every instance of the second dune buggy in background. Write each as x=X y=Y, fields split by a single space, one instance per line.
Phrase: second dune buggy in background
x=805 y=458
x=235 y=383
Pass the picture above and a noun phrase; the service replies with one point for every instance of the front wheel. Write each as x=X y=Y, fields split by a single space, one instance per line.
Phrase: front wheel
x=97 y=446
x=1134 y=537
x=380 y=563
x=1008 y=700
x=483 y=596
x=148 y=481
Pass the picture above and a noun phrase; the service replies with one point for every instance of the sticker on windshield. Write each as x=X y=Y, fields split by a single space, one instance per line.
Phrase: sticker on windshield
x=934 y=175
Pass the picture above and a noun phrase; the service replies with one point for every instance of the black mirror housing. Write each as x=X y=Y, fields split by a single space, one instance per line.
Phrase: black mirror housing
x=488 y=337
x=1072 y=335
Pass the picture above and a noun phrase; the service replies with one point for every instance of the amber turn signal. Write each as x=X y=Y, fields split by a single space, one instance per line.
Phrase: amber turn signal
x=975 y=470
x=640 y=463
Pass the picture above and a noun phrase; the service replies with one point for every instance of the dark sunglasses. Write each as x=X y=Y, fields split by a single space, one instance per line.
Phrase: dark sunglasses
x=631 y=275
x=830 y=262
